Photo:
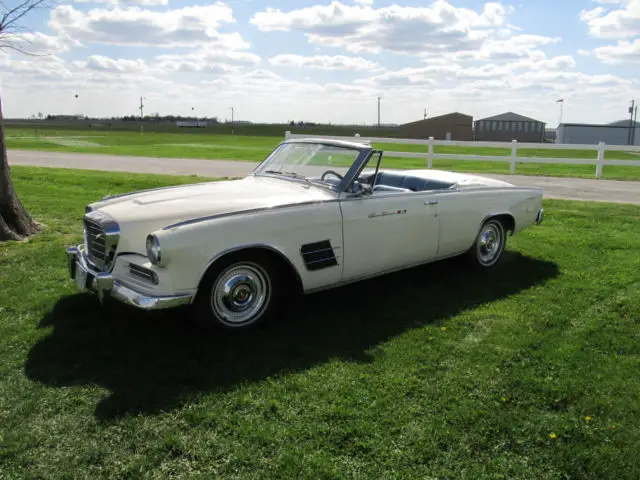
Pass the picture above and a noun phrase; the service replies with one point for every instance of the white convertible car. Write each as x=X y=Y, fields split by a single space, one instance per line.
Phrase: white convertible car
x=314 y=214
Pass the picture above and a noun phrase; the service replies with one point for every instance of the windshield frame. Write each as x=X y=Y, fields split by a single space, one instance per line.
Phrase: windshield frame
x=362 y=157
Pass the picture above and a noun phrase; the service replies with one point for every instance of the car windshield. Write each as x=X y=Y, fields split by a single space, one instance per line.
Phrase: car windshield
x=312 y=162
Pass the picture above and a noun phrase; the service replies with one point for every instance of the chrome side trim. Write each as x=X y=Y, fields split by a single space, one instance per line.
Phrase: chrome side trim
x=540 y=216
x=247 y=212
x=387 y=214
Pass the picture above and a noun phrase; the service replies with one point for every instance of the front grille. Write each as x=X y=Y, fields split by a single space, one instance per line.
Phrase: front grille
x=96 y=241
x=101 y=240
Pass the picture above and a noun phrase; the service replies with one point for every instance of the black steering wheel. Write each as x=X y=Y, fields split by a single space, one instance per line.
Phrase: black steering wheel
x=332 y=173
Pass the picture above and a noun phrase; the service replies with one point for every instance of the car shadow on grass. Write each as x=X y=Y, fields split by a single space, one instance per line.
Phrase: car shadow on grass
x=153 y=362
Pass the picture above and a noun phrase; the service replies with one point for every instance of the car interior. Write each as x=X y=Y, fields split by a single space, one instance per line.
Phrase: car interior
x=401 y=182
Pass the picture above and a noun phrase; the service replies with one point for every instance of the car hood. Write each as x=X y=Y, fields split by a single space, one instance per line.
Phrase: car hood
x=141 y=213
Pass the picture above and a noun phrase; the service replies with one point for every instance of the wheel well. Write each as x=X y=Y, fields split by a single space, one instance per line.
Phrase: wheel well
x=507 y=221
x=289 y=273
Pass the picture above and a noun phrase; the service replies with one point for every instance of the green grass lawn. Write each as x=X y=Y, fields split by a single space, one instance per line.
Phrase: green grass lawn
x=526 y=371
x=254 y=148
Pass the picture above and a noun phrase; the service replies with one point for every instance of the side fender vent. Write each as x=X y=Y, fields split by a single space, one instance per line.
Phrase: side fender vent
x=318 y=255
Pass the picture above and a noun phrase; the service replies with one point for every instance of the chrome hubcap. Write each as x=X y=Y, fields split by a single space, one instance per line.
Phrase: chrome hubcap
x=240 y=293
x=489 y=244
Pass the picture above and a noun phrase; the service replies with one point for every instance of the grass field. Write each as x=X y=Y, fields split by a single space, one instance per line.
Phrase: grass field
x=527 y=371
x=250 y=148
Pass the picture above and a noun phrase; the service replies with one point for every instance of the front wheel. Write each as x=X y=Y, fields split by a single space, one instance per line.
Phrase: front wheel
x=238 y=293
x=489 y=245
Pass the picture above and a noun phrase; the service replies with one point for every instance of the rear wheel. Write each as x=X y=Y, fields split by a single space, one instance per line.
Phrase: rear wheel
x=238 y=292
x=489 y=245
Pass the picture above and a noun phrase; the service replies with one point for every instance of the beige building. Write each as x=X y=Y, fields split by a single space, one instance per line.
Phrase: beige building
x=452 y=126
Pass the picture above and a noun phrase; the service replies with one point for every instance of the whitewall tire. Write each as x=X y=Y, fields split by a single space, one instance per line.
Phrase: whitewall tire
x=238 y=292
x=489 y=245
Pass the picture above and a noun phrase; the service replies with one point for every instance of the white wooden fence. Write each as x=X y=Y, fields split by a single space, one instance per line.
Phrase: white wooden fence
x=598 y=160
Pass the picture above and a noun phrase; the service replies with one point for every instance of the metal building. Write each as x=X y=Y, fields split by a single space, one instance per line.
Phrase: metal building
x=622 y=132
x=509 y=126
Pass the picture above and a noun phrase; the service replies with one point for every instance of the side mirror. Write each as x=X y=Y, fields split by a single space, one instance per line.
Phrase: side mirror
x=362 y=189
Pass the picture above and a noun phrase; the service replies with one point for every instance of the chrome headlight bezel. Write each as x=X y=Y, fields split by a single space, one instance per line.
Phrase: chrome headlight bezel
x=154 y=252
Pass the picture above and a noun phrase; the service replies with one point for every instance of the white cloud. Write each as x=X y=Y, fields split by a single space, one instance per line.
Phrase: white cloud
x=37 y=43
x=105 y=64
x=208 y=59
x=622 y=22
x=186 y=26
x=623 y=52
x=513 y=47
x=455 y=59
x=324 y=62
x=440 y=27
x=50 y=68
x=441 y=74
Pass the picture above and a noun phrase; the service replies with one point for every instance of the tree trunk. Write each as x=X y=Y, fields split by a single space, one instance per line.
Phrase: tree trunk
x=15 y=222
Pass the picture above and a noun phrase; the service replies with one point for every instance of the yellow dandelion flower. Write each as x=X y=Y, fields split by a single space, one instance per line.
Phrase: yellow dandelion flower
x=444 y=329
x=587 y=418
x=553 y=435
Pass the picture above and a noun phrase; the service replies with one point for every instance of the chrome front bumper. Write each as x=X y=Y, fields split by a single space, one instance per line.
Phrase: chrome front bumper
x=105 y=285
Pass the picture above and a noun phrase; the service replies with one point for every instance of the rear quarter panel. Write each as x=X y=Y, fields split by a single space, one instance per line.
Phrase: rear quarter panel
x=462 y=213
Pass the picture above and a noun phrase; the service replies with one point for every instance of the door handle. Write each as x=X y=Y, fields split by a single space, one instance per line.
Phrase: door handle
x=431 y=202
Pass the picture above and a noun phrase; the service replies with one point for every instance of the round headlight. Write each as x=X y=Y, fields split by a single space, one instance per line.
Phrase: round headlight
x=153 y=249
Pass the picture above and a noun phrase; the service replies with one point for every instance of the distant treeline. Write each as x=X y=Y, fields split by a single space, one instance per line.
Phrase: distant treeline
x=168 y=126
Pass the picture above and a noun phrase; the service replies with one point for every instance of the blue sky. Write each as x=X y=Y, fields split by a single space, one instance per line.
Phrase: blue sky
x=328 y=61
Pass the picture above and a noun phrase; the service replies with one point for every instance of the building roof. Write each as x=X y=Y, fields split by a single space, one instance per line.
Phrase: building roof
x=623 y=123
x=439 y=117
x=510 y=117
x=618 y=124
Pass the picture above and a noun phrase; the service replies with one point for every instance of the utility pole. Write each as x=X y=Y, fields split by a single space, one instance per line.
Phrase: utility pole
x=232 y=129
x=425 y=114
x=631 y=125
x=141 y=116
x=378 y=112
x=635 y=125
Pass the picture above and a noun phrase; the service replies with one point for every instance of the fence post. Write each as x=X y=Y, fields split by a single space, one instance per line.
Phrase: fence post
x=286 y=134
x=430 y=153
x=600 y=159
x=514 y=154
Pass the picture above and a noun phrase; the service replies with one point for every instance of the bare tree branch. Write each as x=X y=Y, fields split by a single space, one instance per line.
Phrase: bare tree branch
x=12 y=16
x=9 y=28
x=4 y=46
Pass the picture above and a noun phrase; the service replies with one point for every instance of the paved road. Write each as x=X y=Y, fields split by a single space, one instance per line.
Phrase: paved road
x=554 y=187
